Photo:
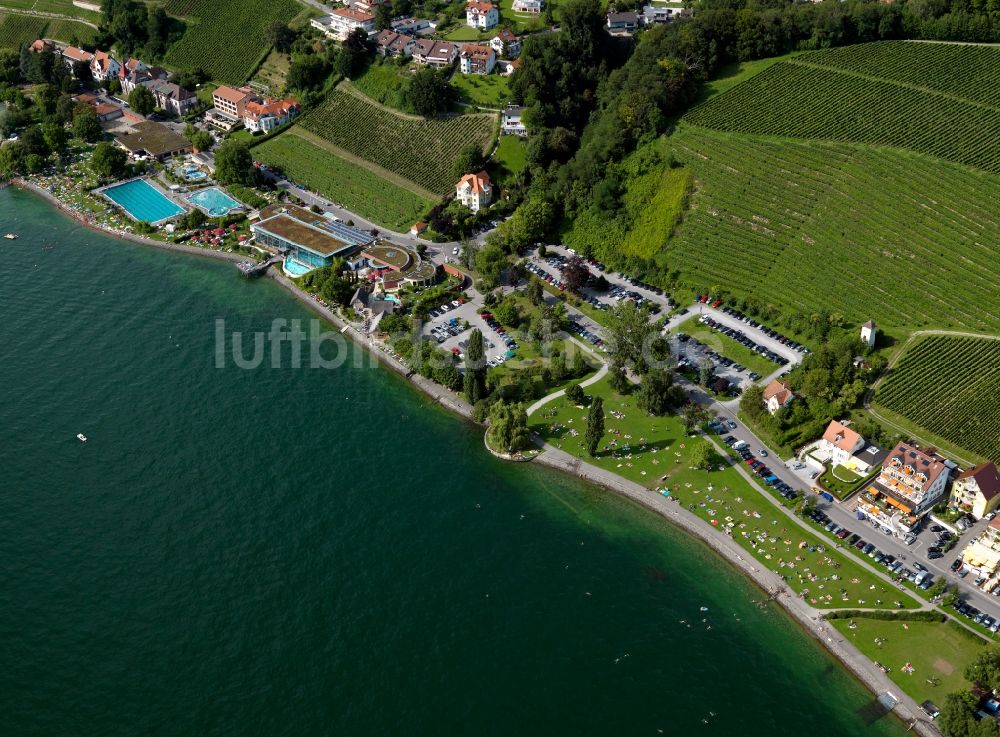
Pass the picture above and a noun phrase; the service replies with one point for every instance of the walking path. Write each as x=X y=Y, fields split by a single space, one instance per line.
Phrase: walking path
x=45 y=14
x=601 y=373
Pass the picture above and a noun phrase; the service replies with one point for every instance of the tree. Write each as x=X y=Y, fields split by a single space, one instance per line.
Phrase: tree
x=508 y=427
x=12 y=158
x=383 y=17
x=56 y=137
x=86 y=125
x=629 y=333
x=470 y=160
x=234 y=164
x=201 y=140
x=657 y=394
x=108 y=161
x=985 y=669
x=534 y=291
x=704 y=457
x=692 y=415
x=617 y=379
x=141 y=100
x=307 y=73
x=475 y=368
x=595 y=425
x=956 y=714
x=752 y=402
x=34 y=141
x=574 y=393
x=705 y=372
x=281 y=36
x=429 y=93
x=490 y=263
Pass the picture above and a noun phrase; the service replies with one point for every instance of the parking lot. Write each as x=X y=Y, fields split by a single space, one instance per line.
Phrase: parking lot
x=689 y=351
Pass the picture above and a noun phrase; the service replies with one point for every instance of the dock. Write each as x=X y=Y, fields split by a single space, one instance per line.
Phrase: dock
x=251 y=269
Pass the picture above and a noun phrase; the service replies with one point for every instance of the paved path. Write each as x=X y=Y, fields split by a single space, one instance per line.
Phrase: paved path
x=601 y=373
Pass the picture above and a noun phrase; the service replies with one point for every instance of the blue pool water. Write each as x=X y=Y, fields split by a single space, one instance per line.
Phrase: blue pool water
x=213 y=201
x=296 y=268
x=143 y=201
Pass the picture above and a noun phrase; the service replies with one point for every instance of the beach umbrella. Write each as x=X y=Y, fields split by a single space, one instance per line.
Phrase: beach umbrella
x=219 y=231
x=233 y=226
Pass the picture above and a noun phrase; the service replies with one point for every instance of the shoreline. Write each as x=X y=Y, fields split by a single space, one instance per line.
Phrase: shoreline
x=808 y=618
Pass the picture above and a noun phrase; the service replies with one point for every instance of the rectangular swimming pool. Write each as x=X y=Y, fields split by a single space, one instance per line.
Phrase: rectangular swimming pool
x=143 y=201
x=213 y=201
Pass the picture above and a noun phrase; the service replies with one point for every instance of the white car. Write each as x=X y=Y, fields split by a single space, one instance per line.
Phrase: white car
x=762 y=453
x=454 y=251
x=990 y=516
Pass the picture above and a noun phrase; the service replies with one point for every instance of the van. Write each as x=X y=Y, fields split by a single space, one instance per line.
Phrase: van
x=740 y=445
x=921 y=577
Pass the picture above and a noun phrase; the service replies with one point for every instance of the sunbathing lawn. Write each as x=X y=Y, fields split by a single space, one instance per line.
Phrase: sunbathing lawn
x=655 y=452
x=726 y=346
x=489 y=90
x=938 y=652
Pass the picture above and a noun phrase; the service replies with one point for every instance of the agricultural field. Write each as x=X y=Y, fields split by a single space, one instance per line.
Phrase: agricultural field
x=218 y=24
x=949 y=385
x=863 y=232
x=341 y=181
x=63 y=7
x=420 y=150
x=66 y=30
x=17 y=30
x=806 y=97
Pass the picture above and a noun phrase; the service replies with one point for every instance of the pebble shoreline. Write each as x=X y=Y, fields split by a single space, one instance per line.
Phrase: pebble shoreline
x=808 y=618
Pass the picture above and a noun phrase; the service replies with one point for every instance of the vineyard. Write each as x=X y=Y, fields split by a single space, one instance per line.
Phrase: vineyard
x=863 y=232
x=802 y=98
x=17 y=30
x=238 y=25
x=950 y=385
x=341 y=181
x=65 y=30
x=419 y=150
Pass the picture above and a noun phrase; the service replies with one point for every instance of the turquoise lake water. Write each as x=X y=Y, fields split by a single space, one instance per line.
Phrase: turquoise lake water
x=143 y=201
x=285 y=551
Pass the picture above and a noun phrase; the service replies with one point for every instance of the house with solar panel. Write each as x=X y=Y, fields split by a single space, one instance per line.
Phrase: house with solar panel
x=306 y=239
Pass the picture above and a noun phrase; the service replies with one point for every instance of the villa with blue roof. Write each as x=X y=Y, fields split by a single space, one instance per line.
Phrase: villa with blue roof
x=306 y=239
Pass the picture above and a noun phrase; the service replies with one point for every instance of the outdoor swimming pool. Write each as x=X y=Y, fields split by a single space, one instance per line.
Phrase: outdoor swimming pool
x=143 y=201
x=213 y=201
x=296 y=268
x=194 y=174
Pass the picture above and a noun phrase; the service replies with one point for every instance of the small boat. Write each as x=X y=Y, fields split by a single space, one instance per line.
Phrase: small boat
x=11 y=236
x=81 y=437
x=704 y=608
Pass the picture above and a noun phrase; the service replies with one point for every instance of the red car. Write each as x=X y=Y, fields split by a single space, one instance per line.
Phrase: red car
x=716 y=303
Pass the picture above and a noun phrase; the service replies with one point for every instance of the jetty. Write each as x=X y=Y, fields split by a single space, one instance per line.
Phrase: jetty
x=251 y=269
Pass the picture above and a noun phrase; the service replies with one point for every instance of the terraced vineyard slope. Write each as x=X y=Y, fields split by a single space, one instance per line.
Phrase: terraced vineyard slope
x=949 y=386
x=17 y=30
x=226 y=38
x=936 y=99
x=419 y=150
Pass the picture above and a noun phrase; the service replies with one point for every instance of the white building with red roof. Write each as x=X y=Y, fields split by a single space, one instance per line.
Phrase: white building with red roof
x=72 y=55
x=506 y=44
x=481 y=15
x=977 y=490
x=267 y=115
x=476 y=59
x=777 y=394
x=341 y=22
x=475 y=191
x=103 y=66
x=231 y=102
x=840 y=443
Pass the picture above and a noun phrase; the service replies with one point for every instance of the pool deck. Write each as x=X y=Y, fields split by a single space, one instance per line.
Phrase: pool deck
x=102 y=192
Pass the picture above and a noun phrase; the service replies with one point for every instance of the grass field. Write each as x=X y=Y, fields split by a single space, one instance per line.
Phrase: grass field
x=509 y=160
x=341 y=181
x=656 y=453
x=938 y=652
x=420 y=150
x=17 y=30
x=949 y=385
x=821 y=96
x=726 y=346
x=384 y=82
x=218 y=25
x=488 y=90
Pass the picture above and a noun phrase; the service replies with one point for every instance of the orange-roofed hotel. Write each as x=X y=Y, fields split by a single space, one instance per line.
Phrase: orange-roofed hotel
x=911 y=482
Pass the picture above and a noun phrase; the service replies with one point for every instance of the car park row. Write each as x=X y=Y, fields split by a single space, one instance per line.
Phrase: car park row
x=740 y=337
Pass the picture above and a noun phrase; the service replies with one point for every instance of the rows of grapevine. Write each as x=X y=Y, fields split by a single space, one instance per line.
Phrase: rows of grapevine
x=802 y=101
x=65 y=30
x=230 y=37
x=419 y=150
x=969 y=72
x=17 y=30
x=862 y=232
x=950 y=386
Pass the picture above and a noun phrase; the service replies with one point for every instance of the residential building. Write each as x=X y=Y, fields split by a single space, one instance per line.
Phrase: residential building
x=437 y=54
x=481 y=15
x=475 y=191
x=171 y=97
x=366 y=6
x=977 y=490
x=103 y=67
x=622 y=24
x=840 y=443
x=342 y=21
x=868 y=333
x=912 y=480
x=129 y=79
x=506 y=67
x=72 y=55
x=476 y=59
x=391 y=43
x=40 y=45
x=511 y=123
x=506 y=44
x=982 y=555
x=267 y=115
x=231 y=102
x=655 y=14
x=528 y=6
x=418 y=228
x=777 y=394
x=412 y=26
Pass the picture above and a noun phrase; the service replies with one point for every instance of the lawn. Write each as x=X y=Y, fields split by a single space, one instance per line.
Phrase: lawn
x=273 y=72
x=726 y=346
x=841 y=481
x=341 y=181
x=938 y=652
x=525 y=21
x=509 y=160
x=468 y=33
x=656 y=453
x=385 y=82
x=488 y=90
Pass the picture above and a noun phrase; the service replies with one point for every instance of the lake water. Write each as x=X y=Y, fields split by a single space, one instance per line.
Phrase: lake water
x=296 y=552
